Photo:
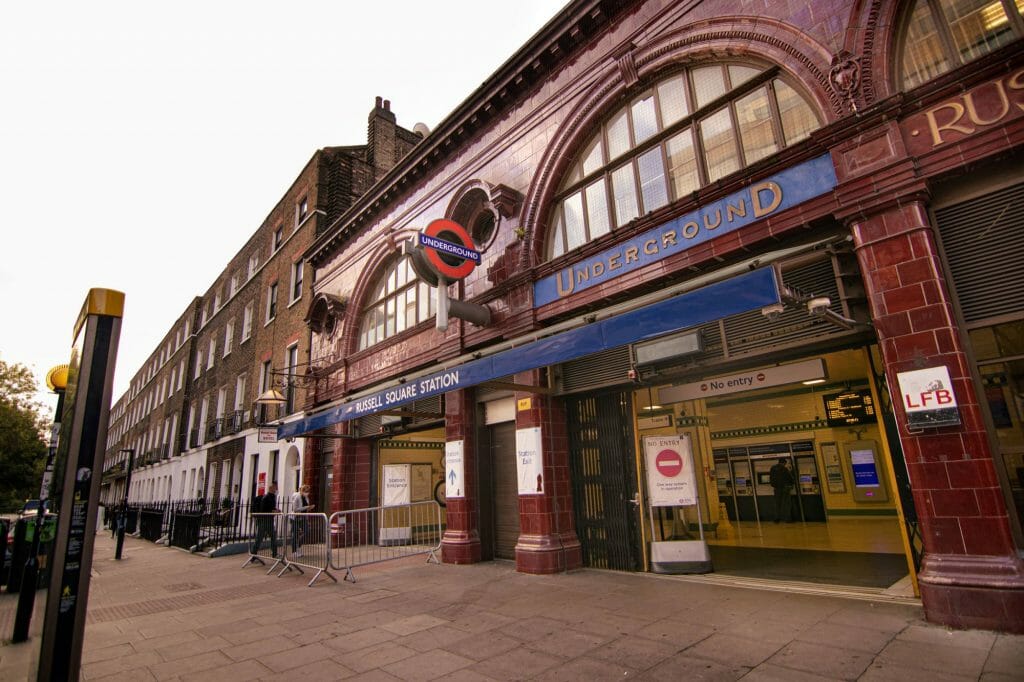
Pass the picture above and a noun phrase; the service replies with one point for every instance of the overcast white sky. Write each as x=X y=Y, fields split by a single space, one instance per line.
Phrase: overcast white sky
x=142 y=143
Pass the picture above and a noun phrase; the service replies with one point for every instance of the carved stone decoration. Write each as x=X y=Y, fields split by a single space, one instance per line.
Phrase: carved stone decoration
x=844 y=77
x=324 y=312
x=505 y=200
x=627 y=64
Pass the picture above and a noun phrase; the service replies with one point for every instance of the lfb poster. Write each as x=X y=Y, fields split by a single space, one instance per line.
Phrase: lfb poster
x=670 y=476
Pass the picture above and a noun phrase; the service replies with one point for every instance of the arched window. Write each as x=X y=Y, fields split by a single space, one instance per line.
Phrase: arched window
x=686 y=131
x=395 y=302
x=943 y=34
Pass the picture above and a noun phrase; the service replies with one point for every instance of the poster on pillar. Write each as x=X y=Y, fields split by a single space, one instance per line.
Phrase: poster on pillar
x=529 y=461
x=454 y=471
x=670 y=476
x=397 y=479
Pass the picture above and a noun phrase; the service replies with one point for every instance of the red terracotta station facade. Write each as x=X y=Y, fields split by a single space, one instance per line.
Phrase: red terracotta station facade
x=792 y=236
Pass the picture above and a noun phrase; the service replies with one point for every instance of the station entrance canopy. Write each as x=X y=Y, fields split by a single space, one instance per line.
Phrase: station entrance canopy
x=749 y=291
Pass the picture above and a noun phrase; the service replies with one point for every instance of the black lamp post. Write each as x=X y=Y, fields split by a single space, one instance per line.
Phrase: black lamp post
x=56 y=381
x=122 y=517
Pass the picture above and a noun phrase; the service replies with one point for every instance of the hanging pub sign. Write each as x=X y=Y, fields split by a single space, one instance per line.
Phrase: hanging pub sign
x=928 y=397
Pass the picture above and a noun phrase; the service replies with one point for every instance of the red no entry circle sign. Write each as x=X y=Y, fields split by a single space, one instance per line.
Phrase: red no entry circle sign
x=449 y=266
x=668 y=463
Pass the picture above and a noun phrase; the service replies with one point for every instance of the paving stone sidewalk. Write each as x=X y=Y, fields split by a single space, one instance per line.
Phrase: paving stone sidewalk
x=163 y=614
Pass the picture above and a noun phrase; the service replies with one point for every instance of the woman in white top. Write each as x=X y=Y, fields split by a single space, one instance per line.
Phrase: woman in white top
x=299 y=502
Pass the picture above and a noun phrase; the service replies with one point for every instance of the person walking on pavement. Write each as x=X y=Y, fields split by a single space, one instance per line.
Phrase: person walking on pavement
x=299 y=503
x=265 y=520
x=781 y=478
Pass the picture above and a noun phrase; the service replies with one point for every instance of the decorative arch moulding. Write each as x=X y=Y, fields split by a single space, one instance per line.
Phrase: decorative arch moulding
x=805 y=60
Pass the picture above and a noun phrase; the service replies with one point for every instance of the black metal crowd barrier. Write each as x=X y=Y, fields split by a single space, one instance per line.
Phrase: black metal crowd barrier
x=151 y=524
x=185 y=529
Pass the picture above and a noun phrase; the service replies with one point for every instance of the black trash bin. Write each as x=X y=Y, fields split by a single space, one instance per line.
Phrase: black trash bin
x=19 y=552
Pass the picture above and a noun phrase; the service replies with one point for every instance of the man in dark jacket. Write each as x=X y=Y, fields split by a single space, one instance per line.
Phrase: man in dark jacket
x=264 y=520
x=781 y=478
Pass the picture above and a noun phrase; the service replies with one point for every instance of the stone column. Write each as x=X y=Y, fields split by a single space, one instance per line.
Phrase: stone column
x=547 y=538
x=971 y=576
x=350 y=486
x=461 y=542
x=311 y=457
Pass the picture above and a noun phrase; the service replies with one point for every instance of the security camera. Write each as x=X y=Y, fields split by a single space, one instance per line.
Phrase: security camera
x=773 y=311
x=818 y=305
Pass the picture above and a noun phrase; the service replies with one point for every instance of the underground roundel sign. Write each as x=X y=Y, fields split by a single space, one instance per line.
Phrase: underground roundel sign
x=448 y=249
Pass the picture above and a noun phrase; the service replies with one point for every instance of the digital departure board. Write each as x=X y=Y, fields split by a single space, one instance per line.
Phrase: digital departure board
x=849 y=408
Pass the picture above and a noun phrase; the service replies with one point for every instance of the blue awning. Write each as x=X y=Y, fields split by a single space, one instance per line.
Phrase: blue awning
x=746 y=292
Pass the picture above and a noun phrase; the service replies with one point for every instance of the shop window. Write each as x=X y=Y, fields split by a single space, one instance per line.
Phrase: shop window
x=689 y=129
x=941 y=35
x=396 y=302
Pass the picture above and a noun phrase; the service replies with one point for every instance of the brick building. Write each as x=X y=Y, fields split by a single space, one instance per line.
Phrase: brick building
x=150 y=416
x=712 y=238
x=244 y=336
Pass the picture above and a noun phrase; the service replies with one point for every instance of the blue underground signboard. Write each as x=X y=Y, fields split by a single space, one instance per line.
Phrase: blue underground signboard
x=749 y=291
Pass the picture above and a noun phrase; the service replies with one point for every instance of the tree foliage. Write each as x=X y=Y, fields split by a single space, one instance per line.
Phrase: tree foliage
x=22 y=436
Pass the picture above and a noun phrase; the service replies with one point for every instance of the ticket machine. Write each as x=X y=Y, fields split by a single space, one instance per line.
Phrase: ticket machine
x=723 y=480
x=808 y=487
x=866 y=471
x=743 y=486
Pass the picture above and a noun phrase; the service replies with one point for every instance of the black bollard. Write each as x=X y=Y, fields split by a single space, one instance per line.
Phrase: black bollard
x=122 y=521
x=4 y=529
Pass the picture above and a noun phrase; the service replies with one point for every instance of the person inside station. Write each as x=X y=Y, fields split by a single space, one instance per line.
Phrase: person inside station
x=781 y=479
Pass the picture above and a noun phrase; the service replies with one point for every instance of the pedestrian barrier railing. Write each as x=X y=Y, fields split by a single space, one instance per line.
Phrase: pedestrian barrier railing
x=266 y=531
x=308 y=545
x=359 y=537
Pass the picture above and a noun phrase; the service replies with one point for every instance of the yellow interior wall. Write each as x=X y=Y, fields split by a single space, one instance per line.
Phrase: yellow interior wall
x=390 y=451
x=787 y=404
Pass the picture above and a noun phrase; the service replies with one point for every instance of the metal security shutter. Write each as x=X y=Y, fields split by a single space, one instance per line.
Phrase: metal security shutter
x=603 y=472
x=506 y=489
x=607 y=368
x=984 y=243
